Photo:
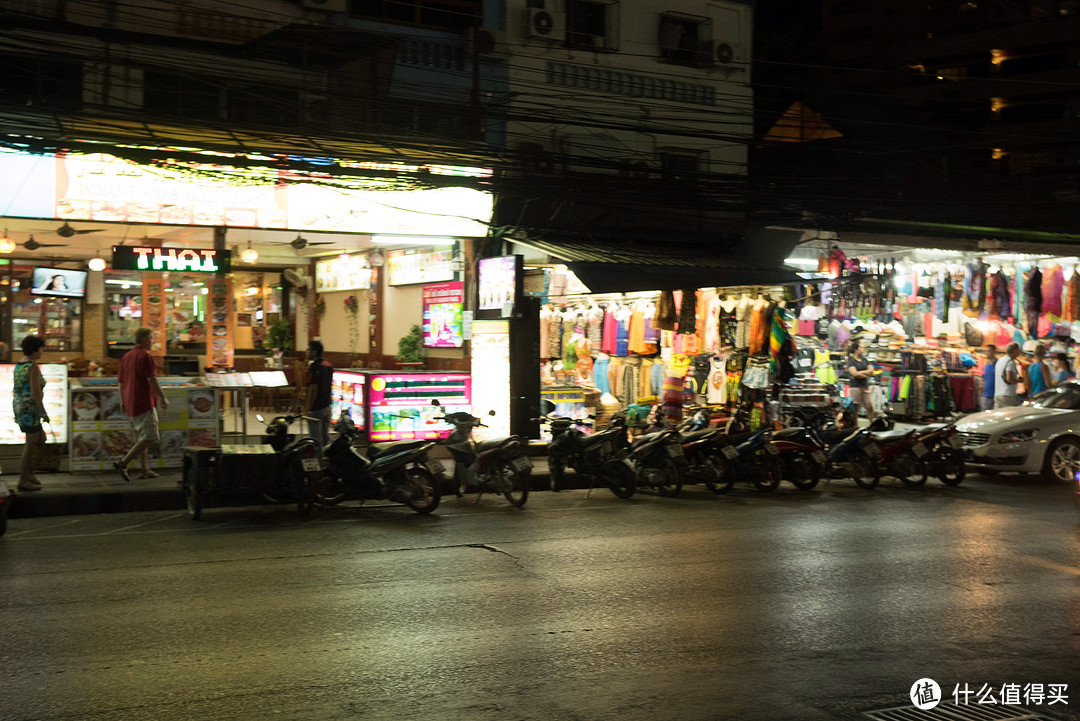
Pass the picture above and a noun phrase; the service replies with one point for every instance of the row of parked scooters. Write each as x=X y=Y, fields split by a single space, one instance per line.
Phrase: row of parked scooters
x=661 y=460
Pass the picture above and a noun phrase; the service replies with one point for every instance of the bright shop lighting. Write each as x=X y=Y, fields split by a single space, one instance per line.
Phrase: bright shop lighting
x=804 y=262
x=7 y=245
x=249 y=254
x=410 y=240
x=96 y=264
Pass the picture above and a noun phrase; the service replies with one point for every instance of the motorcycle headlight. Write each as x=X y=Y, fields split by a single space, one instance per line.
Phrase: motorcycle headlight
x=1018 y=436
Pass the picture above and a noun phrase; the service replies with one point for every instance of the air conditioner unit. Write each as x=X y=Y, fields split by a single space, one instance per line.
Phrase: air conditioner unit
x=333 y=6
x=544 y=24
x=725 y=53
x=487 y=43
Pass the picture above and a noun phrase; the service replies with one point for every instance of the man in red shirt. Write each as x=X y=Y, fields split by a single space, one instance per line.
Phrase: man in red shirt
x=139 y=393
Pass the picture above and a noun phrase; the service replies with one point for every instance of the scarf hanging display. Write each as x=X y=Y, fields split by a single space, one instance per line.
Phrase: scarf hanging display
x=665 y=311
x=688 y=312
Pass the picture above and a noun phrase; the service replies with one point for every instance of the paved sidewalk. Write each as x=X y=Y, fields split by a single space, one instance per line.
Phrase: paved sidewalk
x=64 y=494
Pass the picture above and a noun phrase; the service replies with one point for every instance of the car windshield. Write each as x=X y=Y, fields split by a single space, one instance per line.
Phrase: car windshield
x=1067 y=398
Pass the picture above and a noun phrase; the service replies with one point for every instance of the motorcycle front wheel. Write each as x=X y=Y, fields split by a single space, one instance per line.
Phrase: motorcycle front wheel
x=303 y=487
x=951 y=466
x=619 y=477
x=802 y=470
x=556 y=468
x=330 y=489
x=866 y=471
x=422 y=483
x=719 y=475
x=518 y=484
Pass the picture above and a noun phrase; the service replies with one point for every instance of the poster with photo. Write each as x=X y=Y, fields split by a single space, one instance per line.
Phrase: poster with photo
x=219 y=324
x=153 y=310
x=102 y=434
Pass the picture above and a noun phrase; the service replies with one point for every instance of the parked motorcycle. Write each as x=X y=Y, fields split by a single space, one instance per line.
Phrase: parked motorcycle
x=804 y=461
x=755 y=457
x=400 y=472
x=851 y=454
x=498 y=465
x=599 y=456
x=659 y=461
x=945 y=456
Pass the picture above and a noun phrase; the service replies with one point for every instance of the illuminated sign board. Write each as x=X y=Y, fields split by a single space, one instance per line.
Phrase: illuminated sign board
x=340 y=274
x=102 y=187
x=499 y=285
x=444 y=304
x=491 y=361
x=419 y=265
x=399 y=406
x=185 y=260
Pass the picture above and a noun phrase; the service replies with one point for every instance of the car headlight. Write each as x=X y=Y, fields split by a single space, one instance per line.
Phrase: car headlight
x=1018 y=436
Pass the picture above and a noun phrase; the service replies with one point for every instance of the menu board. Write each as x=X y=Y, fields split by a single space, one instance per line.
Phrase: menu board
x=444 y=304
x=153 y=305
x=347 y=394
x=399 y=405
x=219 y=324
x=102 y=434
x=55 y=398
x=340 y=274
x=411 y=266
x=491 y=361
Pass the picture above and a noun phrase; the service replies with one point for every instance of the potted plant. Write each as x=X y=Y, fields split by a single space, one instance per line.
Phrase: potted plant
x=410 y=348
x=279 y=339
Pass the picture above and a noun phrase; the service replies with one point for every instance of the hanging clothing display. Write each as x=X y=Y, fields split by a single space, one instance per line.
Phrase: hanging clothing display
x=1071 y=309
x=1053 y=282
x=942 y=296
x=1033 y=299
x=688 y=313
x=974 y=297
x=760 y=316
x=665 y=311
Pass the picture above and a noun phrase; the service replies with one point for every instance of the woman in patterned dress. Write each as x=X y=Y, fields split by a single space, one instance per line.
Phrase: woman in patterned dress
x=29 y=407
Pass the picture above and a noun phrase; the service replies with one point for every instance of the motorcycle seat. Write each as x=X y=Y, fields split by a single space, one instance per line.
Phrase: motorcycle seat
x=489 y=444
x=382 y=449
x=595 y=438
x=931 y=427
x=788 y=433
x=895 y=435
x=837 y=435
x=697 y=435
x=737 y=438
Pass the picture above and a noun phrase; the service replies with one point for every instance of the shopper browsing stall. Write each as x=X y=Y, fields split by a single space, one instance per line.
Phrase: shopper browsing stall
x=1006 y=376
x=1062 y=369
x=989 y=373
x=860 y=371
x=1037 y=375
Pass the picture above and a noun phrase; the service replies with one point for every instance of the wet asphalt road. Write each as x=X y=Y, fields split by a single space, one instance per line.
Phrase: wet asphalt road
x=789 y=605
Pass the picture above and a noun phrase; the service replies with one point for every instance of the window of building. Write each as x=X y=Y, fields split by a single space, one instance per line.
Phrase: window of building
x=57 y=320
x=681 y=166
x=181 y=96
x=685 y=39
x=447 y=14
x=40 y=80
x=591 y=25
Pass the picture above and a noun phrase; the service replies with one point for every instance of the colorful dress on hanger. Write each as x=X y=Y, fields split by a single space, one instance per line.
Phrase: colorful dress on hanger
x=1071 y=310
x=666 y=312
x=1033 y=301
x=1053 y=282
x=974 y=289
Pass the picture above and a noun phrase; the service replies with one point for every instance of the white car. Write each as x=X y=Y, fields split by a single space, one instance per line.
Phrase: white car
x=1042 y=436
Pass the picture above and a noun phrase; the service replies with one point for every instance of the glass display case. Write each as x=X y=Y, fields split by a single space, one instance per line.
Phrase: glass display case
x=55 y=398
x=396 y=406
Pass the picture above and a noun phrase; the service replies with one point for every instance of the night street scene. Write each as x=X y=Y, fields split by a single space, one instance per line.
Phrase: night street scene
x=540 y=360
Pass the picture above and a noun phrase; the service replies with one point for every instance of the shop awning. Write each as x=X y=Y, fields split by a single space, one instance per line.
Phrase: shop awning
x=611 y=268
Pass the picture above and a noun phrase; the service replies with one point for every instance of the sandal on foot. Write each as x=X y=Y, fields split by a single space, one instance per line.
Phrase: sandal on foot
x=122 y=470
x=147 y=474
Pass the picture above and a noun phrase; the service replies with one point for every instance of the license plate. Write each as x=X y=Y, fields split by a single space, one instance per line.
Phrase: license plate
x=872 y=450
x=956 y=441
x=920 y=450
x=435 y=466
x=521 y=463
x=310 y=464
x=729 y=452
x=771 y=449
x=818 y=456
x=675 y=451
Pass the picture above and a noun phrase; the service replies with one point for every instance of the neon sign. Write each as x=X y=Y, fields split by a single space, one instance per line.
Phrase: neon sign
x=186 y=260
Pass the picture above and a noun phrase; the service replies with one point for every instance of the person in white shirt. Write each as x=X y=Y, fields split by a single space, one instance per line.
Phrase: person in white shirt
x=1007 y=375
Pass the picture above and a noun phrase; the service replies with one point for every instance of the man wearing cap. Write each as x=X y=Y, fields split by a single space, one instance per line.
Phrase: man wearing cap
x=1006 y=376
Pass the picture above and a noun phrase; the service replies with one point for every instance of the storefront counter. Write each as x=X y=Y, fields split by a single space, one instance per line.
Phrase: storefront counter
x=101 y=433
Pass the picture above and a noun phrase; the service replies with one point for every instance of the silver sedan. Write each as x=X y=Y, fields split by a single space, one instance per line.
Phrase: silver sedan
x=1042 y=436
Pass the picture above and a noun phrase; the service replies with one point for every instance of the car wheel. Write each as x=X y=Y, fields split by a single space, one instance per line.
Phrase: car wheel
x=1062 y=460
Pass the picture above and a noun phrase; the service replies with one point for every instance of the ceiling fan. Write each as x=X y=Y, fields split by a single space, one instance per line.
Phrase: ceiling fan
x=66 y=231
x=32 y=244
x=300 y=242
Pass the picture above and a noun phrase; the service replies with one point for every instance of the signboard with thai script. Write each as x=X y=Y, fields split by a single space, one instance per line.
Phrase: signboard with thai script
x=177 y=260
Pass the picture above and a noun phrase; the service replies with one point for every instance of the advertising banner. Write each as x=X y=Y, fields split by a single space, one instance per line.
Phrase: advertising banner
x=219 y=324
x=101 y=434
x=347 y=394
x=55 y=399
x=444 y=304
x=499 y=284
x=491 y=361
x=153 y=311
x=399 y=405
x=340 y=274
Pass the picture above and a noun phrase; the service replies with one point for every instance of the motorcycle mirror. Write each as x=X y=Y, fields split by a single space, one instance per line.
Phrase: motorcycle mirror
x=435 y=402
x=546 y=407
x=261 y=419
x=491 y=413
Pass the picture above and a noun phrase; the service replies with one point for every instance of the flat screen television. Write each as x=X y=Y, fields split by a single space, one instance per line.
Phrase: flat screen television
x=58 y=282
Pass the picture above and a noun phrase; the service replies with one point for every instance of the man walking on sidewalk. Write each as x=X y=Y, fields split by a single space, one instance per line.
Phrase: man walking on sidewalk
x=139 y=393
x=317 y=404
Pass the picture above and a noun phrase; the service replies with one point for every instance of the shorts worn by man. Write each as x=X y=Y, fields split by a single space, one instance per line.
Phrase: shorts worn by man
x=139 y=395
